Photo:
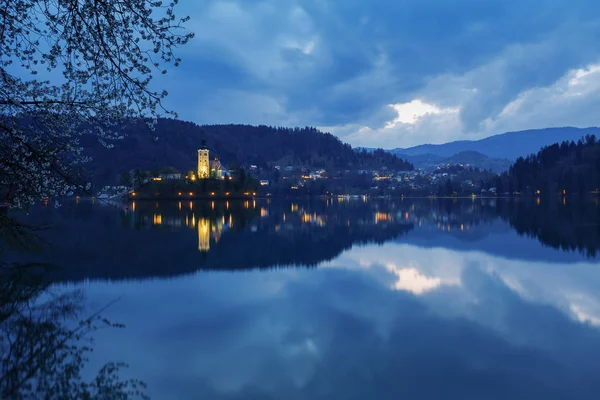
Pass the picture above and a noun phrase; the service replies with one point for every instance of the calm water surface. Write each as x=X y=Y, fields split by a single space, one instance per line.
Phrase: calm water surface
x=354 y=299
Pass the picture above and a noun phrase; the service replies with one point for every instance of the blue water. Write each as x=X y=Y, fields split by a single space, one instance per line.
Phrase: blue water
x=359 y=300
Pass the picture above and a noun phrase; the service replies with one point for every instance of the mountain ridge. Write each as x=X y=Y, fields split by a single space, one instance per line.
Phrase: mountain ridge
x=507 y=145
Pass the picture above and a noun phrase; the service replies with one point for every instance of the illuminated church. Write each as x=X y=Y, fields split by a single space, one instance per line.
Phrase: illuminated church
x=203 y=161
x=208 y=168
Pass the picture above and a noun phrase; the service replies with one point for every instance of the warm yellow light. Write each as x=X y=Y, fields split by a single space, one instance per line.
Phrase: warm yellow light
x=179 y=194
x=133 y=193
x=191 y=193
x=157 y=219
x=203 y=234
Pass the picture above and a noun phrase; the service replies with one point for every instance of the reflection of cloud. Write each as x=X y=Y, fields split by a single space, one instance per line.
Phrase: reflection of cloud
x=300 y=333
x=582 y=316
x=411 y=280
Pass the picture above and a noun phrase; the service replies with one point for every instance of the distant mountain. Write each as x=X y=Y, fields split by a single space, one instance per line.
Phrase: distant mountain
x=466 y=158
x=173 y=143
x=475 y=158
x=510 y=145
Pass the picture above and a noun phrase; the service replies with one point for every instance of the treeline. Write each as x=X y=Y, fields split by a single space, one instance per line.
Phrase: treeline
x=568 y=168
x=173 y=143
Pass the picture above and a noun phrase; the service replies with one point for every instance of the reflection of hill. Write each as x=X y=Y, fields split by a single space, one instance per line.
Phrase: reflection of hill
x=148 y=239
x=573 y=227
x=152 y=240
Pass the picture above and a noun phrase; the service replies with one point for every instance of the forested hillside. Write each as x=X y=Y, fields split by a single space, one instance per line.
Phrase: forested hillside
x=571 y=168
x=174 y=143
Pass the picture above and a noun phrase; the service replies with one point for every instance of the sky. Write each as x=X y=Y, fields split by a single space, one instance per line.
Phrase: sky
x=384 y=73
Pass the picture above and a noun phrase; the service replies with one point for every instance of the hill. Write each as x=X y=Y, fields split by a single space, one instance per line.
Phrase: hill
x=174 y=143
x=569 y=168
x=510 y=145
x=466 y=158
x=475 y=158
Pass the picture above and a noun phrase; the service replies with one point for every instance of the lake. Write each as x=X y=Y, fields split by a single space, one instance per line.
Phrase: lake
x=339 y=298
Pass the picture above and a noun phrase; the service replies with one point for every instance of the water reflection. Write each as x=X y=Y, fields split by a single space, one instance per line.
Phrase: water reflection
x=148 y=239
x=45 y=339
x=427 y=299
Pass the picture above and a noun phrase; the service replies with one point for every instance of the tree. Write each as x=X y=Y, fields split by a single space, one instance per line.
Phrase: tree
x=126 y=179
x=138 y=178
x=73 y=68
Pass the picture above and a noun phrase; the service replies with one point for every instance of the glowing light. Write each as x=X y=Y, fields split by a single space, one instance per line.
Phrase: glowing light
x=204 y=234
x=381 y=217
x=157 y=220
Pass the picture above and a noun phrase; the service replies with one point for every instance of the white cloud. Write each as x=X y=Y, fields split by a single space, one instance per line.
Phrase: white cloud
x=413 y=111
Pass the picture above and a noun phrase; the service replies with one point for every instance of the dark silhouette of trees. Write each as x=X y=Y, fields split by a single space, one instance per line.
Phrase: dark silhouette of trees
x=567 y=168
x=240 y=145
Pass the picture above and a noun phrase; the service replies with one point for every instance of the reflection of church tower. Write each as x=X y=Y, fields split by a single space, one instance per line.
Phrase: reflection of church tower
x=203 y=161
x=203 y=234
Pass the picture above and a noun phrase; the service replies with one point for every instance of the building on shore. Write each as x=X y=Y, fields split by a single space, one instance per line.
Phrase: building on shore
x=203 y=161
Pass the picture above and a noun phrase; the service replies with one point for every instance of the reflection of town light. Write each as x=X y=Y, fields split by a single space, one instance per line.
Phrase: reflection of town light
x=179 y=206
x=193 y=220
x=230 y=221
x=204 y=234
x=133 y=206
x=264 y=212
x=157 y=219
x=254 y=204
x=462 y=227
x=227 y=205
x=191 y=205
x=381 y=217
x=538 y=201
x=212 y=205
x=294 y=207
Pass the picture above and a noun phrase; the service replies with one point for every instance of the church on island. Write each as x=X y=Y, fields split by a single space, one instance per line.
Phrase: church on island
x=208 y=168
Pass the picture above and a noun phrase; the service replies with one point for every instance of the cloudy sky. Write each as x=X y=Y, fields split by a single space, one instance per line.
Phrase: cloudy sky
x=391 y=73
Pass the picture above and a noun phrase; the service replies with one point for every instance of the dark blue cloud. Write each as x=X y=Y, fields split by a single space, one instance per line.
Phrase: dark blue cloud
x=338 y=63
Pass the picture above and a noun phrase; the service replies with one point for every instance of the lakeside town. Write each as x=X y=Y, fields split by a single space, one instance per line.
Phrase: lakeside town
x=213 y=178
